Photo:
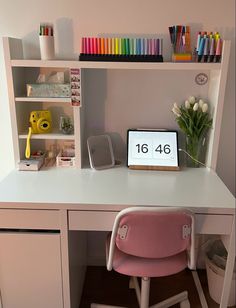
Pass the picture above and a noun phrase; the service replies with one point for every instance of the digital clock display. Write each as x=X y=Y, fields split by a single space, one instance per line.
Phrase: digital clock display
x=152 y=148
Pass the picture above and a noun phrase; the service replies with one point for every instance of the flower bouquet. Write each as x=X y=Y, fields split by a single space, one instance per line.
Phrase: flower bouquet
x=194 y=120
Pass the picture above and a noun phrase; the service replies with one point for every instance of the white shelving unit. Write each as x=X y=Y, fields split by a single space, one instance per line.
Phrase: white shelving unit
x=20 y=71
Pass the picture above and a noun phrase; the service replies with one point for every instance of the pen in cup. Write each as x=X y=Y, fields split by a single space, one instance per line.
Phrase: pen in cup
x=46 y=29
x=46 y=41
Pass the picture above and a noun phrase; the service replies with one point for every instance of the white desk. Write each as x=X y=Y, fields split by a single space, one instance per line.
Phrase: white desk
x=69 y=199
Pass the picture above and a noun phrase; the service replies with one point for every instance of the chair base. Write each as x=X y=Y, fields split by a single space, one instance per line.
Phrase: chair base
x=93 y=305
x=143 y=297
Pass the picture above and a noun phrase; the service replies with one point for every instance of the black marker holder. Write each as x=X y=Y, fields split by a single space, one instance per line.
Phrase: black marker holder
x=121 y=58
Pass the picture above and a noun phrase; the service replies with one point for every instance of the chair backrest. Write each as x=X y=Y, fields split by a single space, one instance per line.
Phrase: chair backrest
x=153 y=232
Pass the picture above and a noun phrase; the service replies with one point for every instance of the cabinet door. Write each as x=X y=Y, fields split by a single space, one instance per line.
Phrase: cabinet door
x=30 y=270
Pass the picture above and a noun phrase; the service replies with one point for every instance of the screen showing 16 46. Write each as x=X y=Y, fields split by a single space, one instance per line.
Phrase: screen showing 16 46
x=152 y=148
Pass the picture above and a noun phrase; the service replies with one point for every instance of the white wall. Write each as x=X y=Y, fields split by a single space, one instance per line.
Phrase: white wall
x=76 y=18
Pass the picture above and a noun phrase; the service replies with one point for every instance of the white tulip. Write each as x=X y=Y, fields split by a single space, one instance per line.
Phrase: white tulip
x=195 y=107
x=191 y=99
x=201 y=102
x=177 y=107
x=204 y=107
x=187 y=104
x=176 y=111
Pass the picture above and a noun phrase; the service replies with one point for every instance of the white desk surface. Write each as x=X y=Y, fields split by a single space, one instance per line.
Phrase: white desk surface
x=116 y=188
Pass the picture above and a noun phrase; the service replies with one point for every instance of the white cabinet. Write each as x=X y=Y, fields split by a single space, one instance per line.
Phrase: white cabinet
x=20 y=71
x=30 y=270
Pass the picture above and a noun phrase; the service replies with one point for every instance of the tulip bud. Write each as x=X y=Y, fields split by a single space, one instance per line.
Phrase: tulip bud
x=177 y=108
x=187 y=104
x=201 y=103
x=204 y=107
x=195 y=107
x=176 y=111
x=191 y=99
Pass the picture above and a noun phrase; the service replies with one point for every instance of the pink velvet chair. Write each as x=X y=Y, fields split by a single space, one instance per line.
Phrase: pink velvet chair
x=151 y=242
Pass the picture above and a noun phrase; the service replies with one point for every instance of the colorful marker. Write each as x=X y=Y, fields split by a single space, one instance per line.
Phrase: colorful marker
x=206 y=50
x=201 y=49
x=218 y=50
x=212 y=49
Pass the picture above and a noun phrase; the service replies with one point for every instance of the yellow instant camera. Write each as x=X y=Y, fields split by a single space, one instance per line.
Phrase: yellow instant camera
x=40 y=121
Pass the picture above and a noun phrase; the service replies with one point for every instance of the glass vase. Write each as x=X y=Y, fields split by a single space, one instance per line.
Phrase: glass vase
x=66 y=125
x=195 y=150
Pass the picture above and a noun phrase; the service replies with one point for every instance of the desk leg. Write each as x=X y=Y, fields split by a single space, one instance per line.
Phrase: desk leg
x=65 y=258
x=229 y=268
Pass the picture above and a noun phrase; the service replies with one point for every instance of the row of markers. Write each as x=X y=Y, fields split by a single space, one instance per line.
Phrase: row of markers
x=122 y=46
x=209 y=47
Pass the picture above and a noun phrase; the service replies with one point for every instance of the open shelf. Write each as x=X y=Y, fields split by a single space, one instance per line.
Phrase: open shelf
x=44 y=99
x=55 y=135
x=117 y=65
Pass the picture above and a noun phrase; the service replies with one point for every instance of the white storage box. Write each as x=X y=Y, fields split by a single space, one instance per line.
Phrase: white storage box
x=48 y=90
x=30 y=164
x=66 y=158
x=215 y=277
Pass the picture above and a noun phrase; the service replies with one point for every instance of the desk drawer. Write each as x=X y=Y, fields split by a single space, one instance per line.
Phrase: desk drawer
x=91 y=220
x=29 y=219
x=103 y=221
x=213 y=224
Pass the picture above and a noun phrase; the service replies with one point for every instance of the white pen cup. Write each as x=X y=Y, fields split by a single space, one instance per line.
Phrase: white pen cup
x=47 y=50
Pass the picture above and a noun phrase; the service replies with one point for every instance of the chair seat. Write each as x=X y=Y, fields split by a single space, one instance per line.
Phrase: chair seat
x=145 y=267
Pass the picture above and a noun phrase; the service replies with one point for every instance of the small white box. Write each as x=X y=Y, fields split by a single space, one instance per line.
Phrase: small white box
x=30 y=164
x=66 y=158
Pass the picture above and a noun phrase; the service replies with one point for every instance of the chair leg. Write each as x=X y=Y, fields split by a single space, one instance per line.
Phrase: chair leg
x=104 y=306
x=133 y=284
x=145 y=289
x=185 y=304
x=181 y=298
x=199 y=289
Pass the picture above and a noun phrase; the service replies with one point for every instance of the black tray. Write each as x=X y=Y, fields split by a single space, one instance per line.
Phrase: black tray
x=121 y=58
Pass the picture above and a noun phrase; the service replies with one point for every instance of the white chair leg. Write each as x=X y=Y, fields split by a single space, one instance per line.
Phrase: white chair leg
x=145 y=289
x=93 y=305
x=133 y=284
x=185 y=304
x=199 y=289
x=179 y=298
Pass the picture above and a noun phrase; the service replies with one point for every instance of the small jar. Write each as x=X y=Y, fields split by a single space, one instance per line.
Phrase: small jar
x=66 y=125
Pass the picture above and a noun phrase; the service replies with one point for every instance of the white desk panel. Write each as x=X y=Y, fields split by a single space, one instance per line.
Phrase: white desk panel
x=116 y=188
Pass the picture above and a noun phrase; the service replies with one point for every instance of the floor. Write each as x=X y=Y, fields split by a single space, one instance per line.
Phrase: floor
x=112 y=288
